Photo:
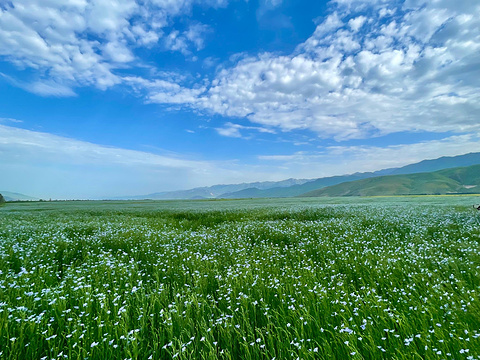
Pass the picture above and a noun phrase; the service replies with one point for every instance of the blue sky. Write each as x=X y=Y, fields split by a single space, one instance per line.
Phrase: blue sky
x=105 y=98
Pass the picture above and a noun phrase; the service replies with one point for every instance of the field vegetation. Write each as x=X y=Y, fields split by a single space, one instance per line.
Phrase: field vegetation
x=372 y=278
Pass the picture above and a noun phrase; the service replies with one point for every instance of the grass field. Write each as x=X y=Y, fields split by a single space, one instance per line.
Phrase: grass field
x=330 y=278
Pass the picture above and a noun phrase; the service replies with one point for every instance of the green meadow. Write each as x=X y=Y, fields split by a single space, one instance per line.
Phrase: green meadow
x=310 y=278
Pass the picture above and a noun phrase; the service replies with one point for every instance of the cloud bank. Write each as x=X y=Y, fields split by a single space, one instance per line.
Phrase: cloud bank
x=73 y=43
x=370 y=68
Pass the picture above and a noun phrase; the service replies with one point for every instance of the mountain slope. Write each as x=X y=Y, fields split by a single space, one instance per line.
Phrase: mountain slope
x=445 y=162
x=296 y=187
x=11 y=196
x=296 y=190
x=211 y=192
x=449 y=181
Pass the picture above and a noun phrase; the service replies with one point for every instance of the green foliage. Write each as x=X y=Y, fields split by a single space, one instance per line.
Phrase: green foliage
x=2 y=200
x=385 y=278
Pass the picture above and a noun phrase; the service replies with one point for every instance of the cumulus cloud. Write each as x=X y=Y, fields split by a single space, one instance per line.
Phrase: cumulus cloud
x=230 y=130
x=165 y=90
x=196 y=34
x=356 y=23
x=194 y=37
x=83 y=42
x=411 y=66
x=371 y=67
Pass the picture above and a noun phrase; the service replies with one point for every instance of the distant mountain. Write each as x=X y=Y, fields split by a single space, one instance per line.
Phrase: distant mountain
x=296 y=187
x=296 y=190
x=445 y=162
x=11 y=196
x=215 y=191
x=460 y=180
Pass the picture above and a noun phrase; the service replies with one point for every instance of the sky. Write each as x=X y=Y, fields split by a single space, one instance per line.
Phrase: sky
x=105 y=98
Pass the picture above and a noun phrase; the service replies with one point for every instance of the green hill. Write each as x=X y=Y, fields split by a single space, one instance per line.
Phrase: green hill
x=297 y=187
x=294 y=190
x=460 y=180
x=445 y=162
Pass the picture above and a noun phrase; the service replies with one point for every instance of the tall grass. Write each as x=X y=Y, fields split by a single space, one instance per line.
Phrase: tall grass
x=376 y=280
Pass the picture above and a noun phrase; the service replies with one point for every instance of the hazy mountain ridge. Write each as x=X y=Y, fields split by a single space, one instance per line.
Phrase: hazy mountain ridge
x=460 y=180
x=294 y=190
x=215 y=191
x=12 y=196
x=445 y=162
x=332 y=185
x=297 y=187
x=297 y=190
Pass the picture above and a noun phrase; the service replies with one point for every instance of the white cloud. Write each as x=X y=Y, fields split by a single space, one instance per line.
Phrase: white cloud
x=117 y=52
x=42 y=88
x=233 y=130
x=371 y=67
x=46 y=165
x=46 y=36
x=230 y=130
x=340 y=160
x=424 y=23
x=49 y=88
x=176 y=42
x=83 y=42
x=386 y=12
x=11 y=120
x=183 y=42
x=357 y=22
x=413 y=67
x=330 y=23
x=44 y=147
x=164 y=91
x=196 y=34
x=359 y=5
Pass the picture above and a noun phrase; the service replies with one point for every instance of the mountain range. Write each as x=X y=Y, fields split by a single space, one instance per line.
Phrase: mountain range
x=298 y=187
x=445 y=175
x=12 y=196
x=459 y=180
x=216 y=191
